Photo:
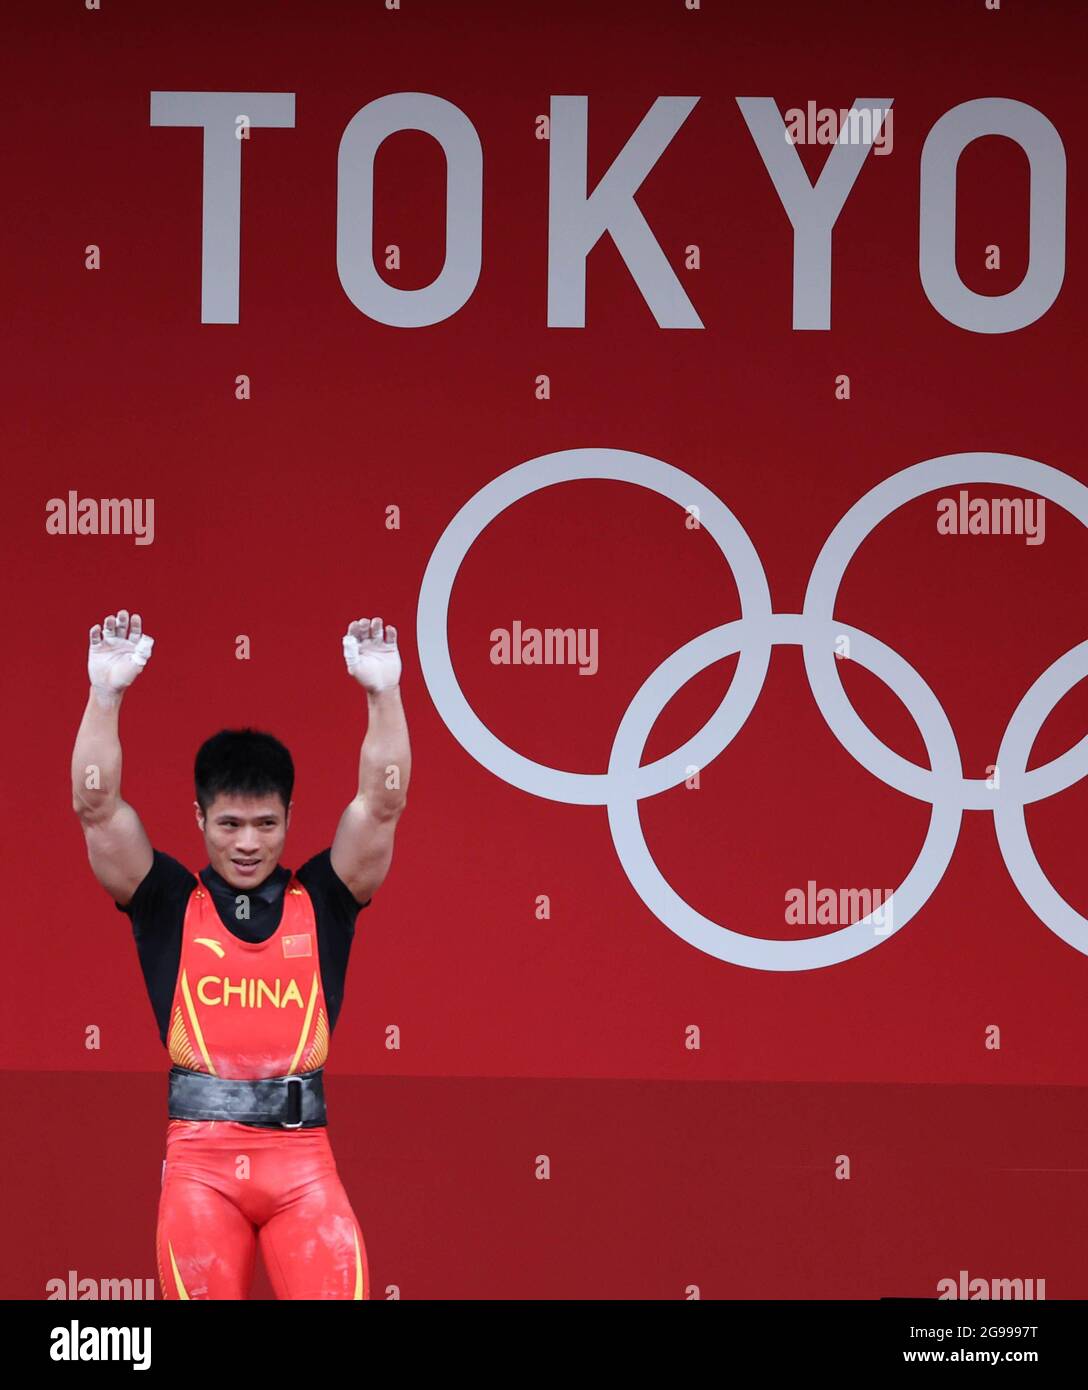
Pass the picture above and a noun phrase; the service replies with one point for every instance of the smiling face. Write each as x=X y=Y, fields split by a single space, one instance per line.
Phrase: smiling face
x=244 y=836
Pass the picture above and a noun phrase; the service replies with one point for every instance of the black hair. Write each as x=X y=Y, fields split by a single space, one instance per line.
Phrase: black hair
x=245 y=762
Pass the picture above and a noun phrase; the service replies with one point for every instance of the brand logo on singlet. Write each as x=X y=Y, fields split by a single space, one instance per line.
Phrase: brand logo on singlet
x=247 y=993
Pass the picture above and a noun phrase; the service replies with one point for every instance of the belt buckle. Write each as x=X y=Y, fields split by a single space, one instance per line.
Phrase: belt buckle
x=297 y=1124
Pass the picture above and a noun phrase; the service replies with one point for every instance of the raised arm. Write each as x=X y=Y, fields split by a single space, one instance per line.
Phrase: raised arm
x=117 y=844
x=363 y=846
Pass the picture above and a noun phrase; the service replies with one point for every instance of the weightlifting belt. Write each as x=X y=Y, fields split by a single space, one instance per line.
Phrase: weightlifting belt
x=274 y=1102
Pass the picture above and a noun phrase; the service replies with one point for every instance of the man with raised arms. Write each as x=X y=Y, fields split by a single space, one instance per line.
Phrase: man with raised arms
x=245 y=964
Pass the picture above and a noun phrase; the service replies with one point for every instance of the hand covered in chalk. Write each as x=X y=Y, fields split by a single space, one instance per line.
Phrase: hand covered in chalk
x=371 y=654
x=119 y=651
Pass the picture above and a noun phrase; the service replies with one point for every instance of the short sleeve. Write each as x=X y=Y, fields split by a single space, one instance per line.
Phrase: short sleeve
x=166 y=884
x=321 y=881
x=157 y=910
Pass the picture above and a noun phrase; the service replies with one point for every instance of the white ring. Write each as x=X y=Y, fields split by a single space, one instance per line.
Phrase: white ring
x=625 y=783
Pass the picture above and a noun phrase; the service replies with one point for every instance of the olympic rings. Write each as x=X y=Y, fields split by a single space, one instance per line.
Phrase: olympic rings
x=815 y=630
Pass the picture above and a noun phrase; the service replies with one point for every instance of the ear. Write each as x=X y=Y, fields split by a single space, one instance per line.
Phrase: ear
x=287 y=821
x=199 y=814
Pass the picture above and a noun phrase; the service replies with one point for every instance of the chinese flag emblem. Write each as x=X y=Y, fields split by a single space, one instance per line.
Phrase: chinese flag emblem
x=297 y=945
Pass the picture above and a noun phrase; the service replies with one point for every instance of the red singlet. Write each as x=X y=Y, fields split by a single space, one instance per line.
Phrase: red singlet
x=253 y=1009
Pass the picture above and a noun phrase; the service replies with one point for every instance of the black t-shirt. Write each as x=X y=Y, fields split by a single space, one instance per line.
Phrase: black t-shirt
x=157 y=909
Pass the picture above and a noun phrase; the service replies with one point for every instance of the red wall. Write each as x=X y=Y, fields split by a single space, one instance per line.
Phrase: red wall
x=270 y=521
